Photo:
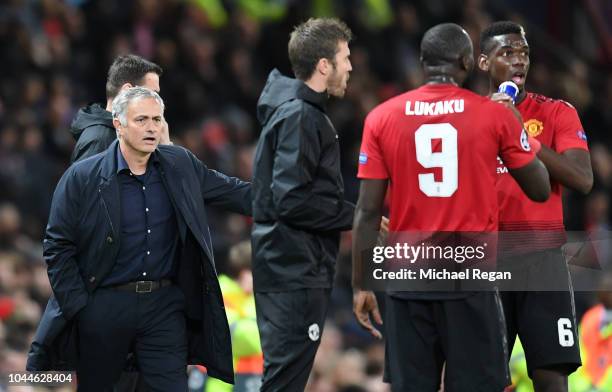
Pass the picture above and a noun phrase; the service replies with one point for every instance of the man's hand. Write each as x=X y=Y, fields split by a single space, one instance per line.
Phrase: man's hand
x=165 y=133
x=384 y=225
x=506 y=100
x=364 y=303
x=383 y=231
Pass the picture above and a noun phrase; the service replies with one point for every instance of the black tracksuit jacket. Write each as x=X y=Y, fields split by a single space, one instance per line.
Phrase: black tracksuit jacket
x=298 y=193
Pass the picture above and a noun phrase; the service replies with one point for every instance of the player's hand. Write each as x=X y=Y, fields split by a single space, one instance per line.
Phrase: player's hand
x=364 y=303
x=501 y=97
x=383 y=231
x=165 y=133
x=384 y=225
x=506 y=100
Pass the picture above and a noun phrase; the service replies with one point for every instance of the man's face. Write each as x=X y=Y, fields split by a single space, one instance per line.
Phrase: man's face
x=338 y=79
x=151 y=81
x=509 y=59
x=143 y=129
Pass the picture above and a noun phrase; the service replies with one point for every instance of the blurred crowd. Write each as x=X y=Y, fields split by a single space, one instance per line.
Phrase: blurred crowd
x=216 y=56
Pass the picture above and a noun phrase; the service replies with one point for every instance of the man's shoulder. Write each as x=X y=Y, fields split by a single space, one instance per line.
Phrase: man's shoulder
x=297 y=107
x=173 y=151
x=542 y=108
x=542 y=102
x=176 y=155
x=88 y=163
x=97 y=132
x=298 y=113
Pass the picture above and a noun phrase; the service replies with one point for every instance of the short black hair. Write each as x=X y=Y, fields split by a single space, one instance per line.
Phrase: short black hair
x=495 y=29
x=128 y=69
x=315 y=39
x=445 y=44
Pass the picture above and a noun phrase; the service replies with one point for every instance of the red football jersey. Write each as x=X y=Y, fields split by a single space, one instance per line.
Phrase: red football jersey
x=437 y=145
x=555 y=124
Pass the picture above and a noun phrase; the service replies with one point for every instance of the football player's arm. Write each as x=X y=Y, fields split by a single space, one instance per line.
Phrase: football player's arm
x=572 y=168
x=367 y=221
x=569 y=161
x=533 y=179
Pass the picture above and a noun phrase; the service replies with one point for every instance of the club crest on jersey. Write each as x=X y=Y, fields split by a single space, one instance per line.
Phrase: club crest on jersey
x=525 y=141
x=534 y=127
x=582 y=135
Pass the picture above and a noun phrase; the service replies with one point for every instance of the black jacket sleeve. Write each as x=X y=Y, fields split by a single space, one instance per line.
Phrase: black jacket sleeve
x=296 y=159
x=59 y=247
x=93 y=140
x=219 y=190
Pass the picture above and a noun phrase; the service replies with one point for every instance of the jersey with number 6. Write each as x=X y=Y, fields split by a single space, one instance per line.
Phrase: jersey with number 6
x=438 y=146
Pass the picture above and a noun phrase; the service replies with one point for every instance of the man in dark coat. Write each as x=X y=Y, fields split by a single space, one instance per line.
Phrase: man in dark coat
x=298 y=202
x=94 y=132
x=130 y=260
x=92 y=128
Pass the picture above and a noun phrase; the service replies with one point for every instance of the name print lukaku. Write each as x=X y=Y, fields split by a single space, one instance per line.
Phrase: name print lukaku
x=434 y=108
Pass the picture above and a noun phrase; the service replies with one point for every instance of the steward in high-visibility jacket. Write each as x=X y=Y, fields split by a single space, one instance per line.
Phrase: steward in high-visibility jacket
x=518 y=369
x=246 y=347
x=595 y=375
x=239 y=302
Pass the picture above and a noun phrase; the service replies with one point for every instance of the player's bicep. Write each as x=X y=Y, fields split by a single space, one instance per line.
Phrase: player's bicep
x=581 y=159
x=569 y=132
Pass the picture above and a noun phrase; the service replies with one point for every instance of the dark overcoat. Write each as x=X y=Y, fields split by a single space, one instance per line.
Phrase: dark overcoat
x=82 y=241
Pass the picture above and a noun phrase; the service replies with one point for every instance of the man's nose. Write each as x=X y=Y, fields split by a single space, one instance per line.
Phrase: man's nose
x=519 y=60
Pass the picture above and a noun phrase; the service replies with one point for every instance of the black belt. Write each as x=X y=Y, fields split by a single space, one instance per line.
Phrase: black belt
x=143 y=286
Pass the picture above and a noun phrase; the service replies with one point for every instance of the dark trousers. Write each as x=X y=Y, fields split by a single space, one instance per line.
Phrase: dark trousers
x=151 y=325
x=290 y=326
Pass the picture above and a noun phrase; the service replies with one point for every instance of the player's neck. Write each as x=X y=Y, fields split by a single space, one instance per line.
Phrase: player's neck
x=441 y=79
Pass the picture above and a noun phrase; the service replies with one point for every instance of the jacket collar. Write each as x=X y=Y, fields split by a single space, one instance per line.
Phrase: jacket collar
x=108 y=166
x=309 y=95
x=113 y=160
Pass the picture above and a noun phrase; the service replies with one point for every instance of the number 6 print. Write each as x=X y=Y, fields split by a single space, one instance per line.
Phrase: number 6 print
x=446 y=159
x=566 y=335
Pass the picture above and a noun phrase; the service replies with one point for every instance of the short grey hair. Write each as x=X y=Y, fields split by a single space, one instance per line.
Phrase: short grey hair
x=125 y=97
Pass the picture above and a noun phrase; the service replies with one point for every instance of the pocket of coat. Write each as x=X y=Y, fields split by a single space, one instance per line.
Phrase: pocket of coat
x=67 y=346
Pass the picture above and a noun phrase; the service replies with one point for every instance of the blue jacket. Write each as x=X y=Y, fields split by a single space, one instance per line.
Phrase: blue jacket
x=82 y=241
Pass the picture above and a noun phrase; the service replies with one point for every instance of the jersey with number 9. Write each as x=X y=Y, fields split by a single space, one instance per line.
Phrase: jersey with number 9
x=438 y=146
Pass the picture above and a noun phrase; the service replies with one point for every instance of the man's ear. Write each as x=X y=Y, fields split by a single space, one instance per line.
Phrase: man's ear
x=323 y=66
x=117 y=125
x=125 y=86
x=483 y=62
x=467 y=62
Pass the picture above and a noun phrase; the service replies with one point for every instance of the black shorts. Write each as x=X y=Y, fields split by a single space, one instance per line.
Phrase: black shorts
x=467 y=334
x=545 y=321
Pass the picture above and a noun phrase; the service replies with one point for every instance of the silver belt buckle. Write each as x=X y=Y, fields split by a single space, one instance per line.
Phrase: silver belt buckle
x=144 y=286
